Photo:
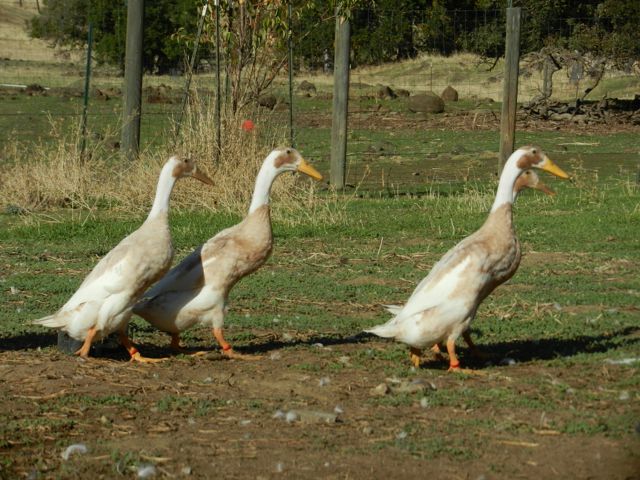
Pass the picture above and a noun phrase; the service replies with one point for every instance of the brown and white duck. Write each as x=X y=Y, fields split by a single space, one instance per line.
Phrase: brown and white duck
x=445 y=302
x=196 y=290
x=103 y=302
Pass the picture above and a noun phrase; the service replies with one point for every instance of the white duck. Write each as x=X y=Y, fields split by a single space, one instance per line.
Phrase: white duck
x=196 y=290
x=102 y=304
x=445 y=302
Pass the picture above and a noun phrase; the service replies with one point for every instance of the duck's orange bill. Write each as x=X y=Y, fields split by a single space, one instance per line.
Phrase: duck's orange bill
x=307 y=169
x=548 y=166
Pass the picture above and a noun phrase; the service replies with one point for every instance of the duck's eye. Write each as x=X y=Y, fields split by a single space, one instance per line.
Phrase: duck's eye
x=288 y=151
x=534 y=151
x=186 y=161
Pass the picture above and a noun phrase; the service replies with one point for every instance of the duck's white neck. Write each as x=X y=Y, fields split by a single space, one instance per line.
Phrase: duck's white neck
x=163 y=192
x=262 y=190
x=510 y=173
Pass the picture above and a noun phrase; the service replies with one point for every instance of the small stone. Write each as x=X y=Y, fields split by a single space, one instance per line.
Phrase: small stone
x=338 y=409
x=424 y=402
x=557 y=306
x=279 y=467
x=278 y=414
x=14 y=290
x=244 y=423
x=367 y=430
x=318 y=345
x=508 y=361
x=185 y=471
x=207 y=380
x=291 y=416
x=401 y=435
x=79 y=448
x=380 y=391
x=324 y=381
x=146 y=471
x=104 y=420
x=275 y=356
x=624 y=396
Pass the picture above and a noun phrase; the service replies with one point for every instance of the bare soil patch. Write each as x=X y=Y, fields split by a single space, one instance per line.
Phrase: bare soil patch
x=233 y=419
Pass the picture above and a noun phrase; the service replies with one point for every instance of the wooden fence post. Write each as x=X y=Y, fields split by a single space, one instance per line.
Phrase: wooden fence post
x=340 y=101
x=510 y=91
x=130 y=145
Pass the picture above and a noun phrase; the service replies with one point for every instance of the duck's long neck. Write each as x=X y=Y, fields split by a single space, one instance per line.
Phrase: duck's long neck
x=163 y=192
x=505 y=193
x=262 y=190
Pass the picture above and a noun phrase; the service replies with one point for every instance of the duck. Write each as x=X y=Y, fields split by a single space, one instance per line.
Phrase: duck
x=196 y=291
x=103 y=303
x=445 y=302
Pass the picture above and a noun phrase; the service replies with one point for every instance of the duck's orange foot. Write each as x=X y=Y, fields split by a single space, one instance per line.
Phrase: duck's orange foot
x=455 y=367
x=136 y=357
x=232 y=354
x=415 y=357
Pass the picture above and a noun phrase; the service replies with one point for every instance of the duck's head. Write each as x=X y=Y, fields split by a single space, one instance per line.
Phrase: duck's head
x=186 y=167
x=289 y=160
x=533 y=157
x=530 y=179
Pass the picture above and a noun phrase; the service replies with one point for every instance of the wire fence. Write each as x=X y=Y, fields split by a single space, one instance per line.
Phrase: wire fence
x=389 y=146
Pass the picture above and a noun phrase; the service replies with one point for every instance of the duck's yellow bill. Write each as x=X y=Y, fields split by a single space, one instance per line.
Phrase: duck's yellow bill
x=552 y=168
x=307 y=169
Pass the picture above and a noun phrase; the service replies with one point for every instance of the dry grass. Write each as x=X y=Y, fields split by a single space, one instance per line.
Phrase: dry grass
x=56 y=176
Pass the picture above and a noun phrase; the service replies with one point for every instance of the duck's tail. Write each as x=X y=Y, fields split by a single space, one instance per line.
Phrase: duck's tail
x=52 y=321
x=393 y=309
x=386 y=330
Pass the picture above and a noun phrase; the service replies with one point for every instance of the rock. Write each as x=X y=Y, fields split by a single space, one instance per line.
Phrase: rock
x=426 y=103
x=385 y=92
x=380 y=391
x=449 y=94
x=79 y=448
x=311 y=416
x=306 y=87
x=268 y=101
x=412 y=386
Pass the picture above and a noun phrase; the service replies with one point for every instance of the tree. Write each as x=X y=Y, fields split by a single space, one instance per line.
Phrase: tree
x=65 y=23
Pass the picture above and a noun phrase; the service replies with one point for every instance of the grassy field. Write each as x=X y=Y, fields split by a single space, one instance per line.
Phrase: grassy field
x=559 y=396
x=563 y=334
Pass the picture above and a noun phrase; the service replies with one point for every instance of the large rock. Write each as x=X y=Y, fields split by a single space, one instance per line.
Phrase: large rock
x=449 y=94
x=426 y=103
x=306 y=87
x=385 y=92
x=268 y=101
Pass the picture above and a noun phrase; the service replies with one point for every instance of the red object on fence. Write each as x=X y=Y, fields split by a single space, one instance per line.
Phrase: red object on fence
x=248 y=125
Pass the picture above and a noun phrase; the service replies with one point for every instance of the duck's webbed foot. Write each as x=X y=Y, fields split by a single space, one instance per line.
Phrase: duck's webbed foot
x=227 y=349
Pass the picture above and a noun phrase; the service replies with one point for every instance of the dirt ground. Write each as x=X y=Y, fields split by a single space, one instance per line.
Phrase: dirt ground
x=309 y=407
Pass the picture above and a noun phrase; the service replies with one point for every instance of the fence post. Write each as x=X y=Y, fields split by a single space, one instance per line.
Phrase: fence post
x=87 y=80
x=340 y=101
x=218 y=89
x=290 y=40
x=130 y=145
x=510 y=86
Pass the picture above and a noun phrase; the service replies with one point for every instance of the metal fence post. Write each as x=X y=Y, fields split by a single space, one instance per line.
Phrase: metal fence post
x=87 y=81
x=510 y=86
x=290 y=40
x=340 y=101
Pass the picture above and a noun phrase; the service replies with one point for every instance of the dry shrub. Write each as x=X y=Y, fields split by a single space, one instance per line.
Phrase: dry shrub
x=56 y=176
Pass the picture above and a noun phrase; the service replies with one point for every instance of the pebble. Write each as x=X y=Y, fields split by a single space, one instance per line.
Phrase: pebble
x=279 y=467
x=380 y=391
x=507 y=361
x=186 y=471
x=424 y=403
x=146 y=470
x=291 y=416
x=367 y=430
x=275 y=356
x=80 y=448
x=624 y=396
x=324 y=381
x=401 y=435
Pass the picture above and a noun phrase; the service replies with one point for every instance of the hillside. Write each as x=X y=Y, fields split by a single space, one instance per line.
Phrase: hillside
x=15 y=42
